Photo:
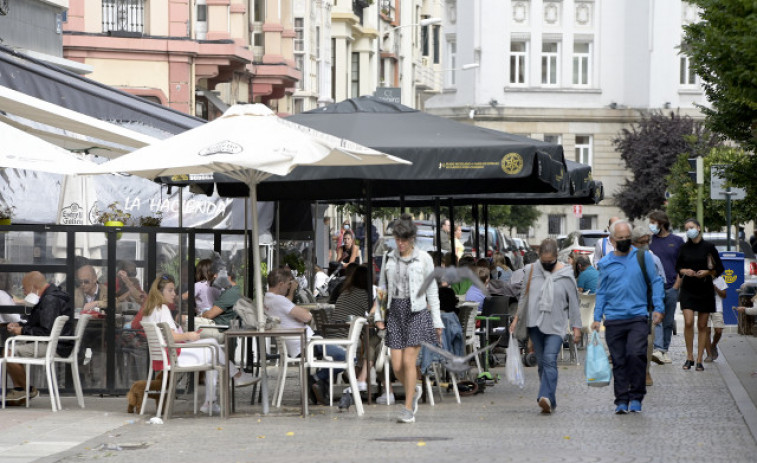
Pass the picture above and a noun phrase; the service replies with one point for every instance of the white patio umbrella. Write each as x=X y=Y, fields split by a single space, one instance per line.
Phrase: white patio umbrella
x=249 y=143
x=21 y=150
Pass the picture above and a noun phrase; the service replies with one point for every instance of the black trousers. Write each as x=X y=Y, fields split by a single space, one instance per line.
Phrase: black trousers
x=627 y=341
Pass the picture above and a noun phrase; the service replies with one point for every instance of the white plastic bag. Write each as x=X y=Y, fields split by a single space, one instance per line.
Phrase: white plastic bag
x=514 y=364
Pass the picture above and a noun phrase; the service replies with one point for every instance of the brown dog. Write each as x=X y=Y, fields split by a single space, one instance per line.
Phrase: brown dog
x=137 y=392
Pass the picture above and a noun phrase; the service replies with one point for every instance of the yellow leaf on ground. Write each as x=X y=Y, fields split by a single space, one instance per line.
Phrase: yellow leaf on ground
x=290 y=433
x=421 y=444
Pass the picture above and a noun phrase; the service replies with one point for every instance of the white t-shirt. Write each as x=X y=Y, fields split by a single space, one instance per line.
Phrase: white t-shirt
x=279 y=306
x=6 y=299
x=719 y=283
x=162 y=314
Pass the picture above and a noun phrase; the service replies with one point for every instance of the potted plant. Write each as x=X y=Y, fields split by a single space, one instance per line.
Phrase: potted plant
x=114 y=216
x=6 y=214
x=151 y=220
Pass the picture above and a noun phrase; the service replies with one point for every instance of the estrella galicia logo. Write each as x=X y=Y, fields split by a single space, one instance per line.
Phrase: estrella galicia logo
x=72 y=215
x=224 y=147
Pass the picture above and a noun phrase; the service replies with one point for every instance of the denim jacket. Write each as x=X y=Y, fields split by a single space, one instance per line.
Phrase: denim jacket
x=421 y=267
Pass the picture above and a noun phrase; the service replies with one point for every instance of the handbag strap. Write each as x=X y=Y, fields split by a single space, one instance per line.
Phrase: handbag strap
x=522 y=304
x=528 y=284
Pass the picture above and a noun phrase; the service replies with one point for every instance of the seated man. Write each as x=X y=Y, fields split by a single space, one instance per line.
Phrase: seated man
x=588 y=276
x=47 y=302
x=278 y=303
x=89 y=295
x=92 y=298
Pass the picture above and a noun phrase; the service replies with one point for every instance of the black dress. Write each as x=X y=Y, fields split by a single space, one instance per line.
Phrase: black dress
x=697 y=293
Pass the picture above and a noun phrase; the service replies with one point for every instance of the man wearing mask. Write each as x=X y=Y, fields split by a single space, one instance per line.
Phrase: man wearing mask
x=604 y=246
x=622 y=303
x=47 y=302
x=666 y=246
x=640 y=239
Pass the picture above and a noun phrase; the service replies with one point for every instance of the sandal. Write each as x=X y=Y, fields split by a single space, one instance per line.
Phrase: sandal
x=688 y=364
x=700 y=367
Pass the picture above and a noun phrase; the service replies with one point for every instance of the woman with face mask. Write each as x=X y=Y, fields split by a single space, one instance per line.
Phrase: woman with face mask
x=551 y=299
x=698 y=264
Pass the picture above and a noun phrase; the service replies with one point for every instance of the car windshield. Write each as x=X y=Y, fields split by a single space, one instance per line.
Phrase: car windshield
x=591 y=240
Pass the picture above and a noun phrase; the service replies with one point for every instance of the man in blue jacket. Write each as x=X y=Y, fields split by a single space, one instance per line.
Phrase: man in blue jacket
x=622 y=302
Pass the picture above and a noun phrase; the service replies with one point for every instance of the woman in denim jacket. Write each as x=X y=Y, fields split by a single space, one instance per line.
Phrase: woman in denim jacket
x=411 y=318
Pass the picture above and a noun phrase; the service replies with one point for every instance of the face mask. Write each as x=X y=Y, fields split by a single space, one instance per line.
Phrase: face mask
x=692 y=233
x=623 y=246
x=31 y=299
x=654 y=229
x=548 y=266
x=346 y=227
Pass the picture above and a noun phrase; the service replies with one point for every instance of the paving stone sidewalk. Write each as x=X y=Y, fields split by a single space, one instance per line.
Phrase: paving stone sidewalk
x=688 y=416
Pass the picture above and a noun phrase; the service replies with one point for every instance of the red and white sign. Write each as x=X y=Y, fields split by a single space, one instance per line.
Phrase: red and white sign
x=578 y=210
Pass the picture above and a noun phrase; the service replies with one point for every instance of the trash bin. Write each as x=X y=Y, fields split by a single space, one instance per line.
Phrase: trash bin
x=746 y=293
x=734 y=278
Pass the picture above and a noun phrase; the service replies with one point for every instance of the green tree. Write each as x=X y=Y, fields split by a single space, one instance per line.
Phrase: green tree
x=722 y=49
x=682 y=204
x=649 y=149
x=521 y=217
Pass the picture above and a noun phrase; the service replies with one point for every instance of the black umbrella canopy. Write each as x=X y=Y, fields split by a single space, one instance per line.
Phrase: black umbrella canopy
x=449 y=158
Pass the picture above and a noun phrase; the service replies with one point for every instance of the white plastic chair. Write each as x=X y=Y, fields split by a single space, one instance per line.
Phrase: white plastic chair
x=73 y=357
x=285 y=361
x=46 y=361
x=350 y=344
x=468 y=311
x=163 y=349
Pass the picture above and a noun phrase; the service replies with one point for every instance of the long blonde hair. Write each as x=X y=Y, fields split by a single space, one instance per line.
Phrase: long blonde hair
x=155 y=296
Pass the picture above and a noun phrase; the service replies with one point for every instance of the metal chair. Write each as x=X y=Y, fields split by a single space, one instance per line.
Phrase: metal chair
x=164 y=354
x=73 y=357
x=350 y=344
x=46 y=361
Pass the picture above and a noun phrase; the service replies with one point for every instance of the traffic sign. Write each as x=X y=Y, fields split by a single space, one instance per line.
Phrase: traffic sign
x=718 y=187
x=578 y=210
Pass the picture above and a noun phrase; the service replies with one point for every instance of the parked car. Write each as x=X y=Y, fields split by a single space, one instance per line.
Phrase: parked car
x=496 y=242
x=424 y=241
x=750 y=260
x=580 y=242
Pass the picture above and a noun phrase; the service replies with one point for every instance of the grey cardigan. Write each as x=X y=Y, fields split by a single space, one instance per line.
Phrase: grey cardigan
x=566 y=302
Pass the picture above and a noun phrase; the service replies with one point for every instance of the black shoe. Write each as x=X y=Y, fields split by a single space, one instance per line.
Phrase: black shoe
x=311 y=393
x=319 y=392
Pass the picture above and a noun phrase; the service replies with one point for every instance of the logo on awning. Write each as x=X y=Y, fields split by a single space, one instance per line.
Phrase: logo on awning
x=224 y=147
x=512 y=163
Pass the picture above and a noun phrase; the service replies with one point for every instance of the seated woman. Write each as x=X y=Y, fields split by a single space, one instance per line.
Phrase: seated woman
x=205 y=293
x=499 y=269
x=348 y=252
x=474 y=294
x=588 y=276
x=353 y=300
x=163 y=292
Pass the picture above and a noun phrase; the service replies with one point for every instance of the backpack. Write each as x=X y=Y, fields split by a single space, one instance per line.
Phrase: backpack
x=246 y=309
x=640 y=255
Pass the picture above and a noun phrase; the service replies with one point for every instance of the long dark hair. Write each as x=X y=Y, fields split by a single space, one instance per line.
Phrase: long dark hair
x=358 y=279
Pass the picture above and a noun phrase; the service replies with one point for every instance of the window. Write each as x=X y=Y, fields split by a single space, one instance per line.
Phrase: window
x=299 y=60
x=123 y=16
x=549 y=71
x=555 y=224
x=299 y=34
x=581 y=63
x=583 y=149
x=425 y=38
x=687 y=77
x=587 y=222
x=555 y=139
x=436 y=44
x=355 y=75
x=299 y=105
x=518 y=60
x=452 y=57
x=202 y=12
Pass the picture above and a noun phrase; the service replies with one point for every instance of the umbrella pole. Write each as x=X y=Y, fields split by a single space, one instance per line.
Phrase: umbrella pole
x=258 y=284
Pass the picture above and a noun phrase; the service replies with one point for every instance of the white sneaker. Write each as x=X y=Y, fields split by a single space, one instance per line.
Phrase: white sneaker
x=243 y=379
x=216 y=408
x=385 y=399
x=666 y=358
x=417 y=397
x=658 y=357
x=362 y=386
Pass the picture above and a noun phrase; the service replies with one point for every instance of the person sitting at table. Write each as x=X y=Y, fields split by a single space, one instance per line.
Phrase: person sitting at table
x=163 y=292
x=474 y=294
x=353 y=301
x=128 y=289
x=205 y=294
x=222 y=311
x=499 y=269
x=588 y=276
x=90 y=296
x=278 y=303
x=348 y=252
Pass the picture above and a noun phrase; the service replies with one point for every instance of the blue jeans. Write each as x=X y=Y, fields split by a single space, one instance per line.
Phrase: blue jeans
x=627 y=341
x=335 y=352
x=546 y=346
x=664 y=331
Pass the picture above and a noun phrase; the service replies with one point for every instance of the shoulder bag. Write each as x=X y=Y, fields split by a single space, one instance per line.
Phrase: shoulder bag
x=521 y=327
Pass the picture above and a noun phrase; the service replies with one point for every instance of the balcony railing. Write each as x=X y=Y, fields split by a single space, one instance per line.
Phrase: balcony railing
x=124 y=17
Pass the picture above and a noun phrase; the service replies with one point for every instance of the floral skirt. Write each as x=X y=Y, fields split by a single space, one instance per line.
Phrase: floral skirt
x=405 y=328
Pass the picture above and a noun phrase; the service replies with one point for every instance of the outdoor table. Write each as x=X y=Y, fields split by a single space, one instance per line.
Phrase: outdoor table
x=261 y=335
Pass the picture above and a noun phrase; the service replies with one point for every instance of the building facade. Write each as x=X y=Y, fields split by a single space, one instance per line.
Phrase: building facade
x=573 y=72
x=196 y=56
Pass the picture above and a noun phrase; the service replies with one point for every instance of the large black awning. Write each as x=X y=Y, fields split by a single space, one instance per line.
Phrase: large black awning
x=72 y=91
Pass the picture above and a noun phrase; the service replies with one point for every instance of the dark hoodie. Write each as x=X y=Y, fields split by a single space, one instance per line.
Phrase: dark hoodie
x=53 y=302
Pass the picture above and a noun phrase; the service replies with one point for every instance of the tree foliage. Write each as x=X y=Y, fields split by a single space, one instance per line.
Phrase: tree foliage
x=649 y=149
x=722 y=49
x=682 y=204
